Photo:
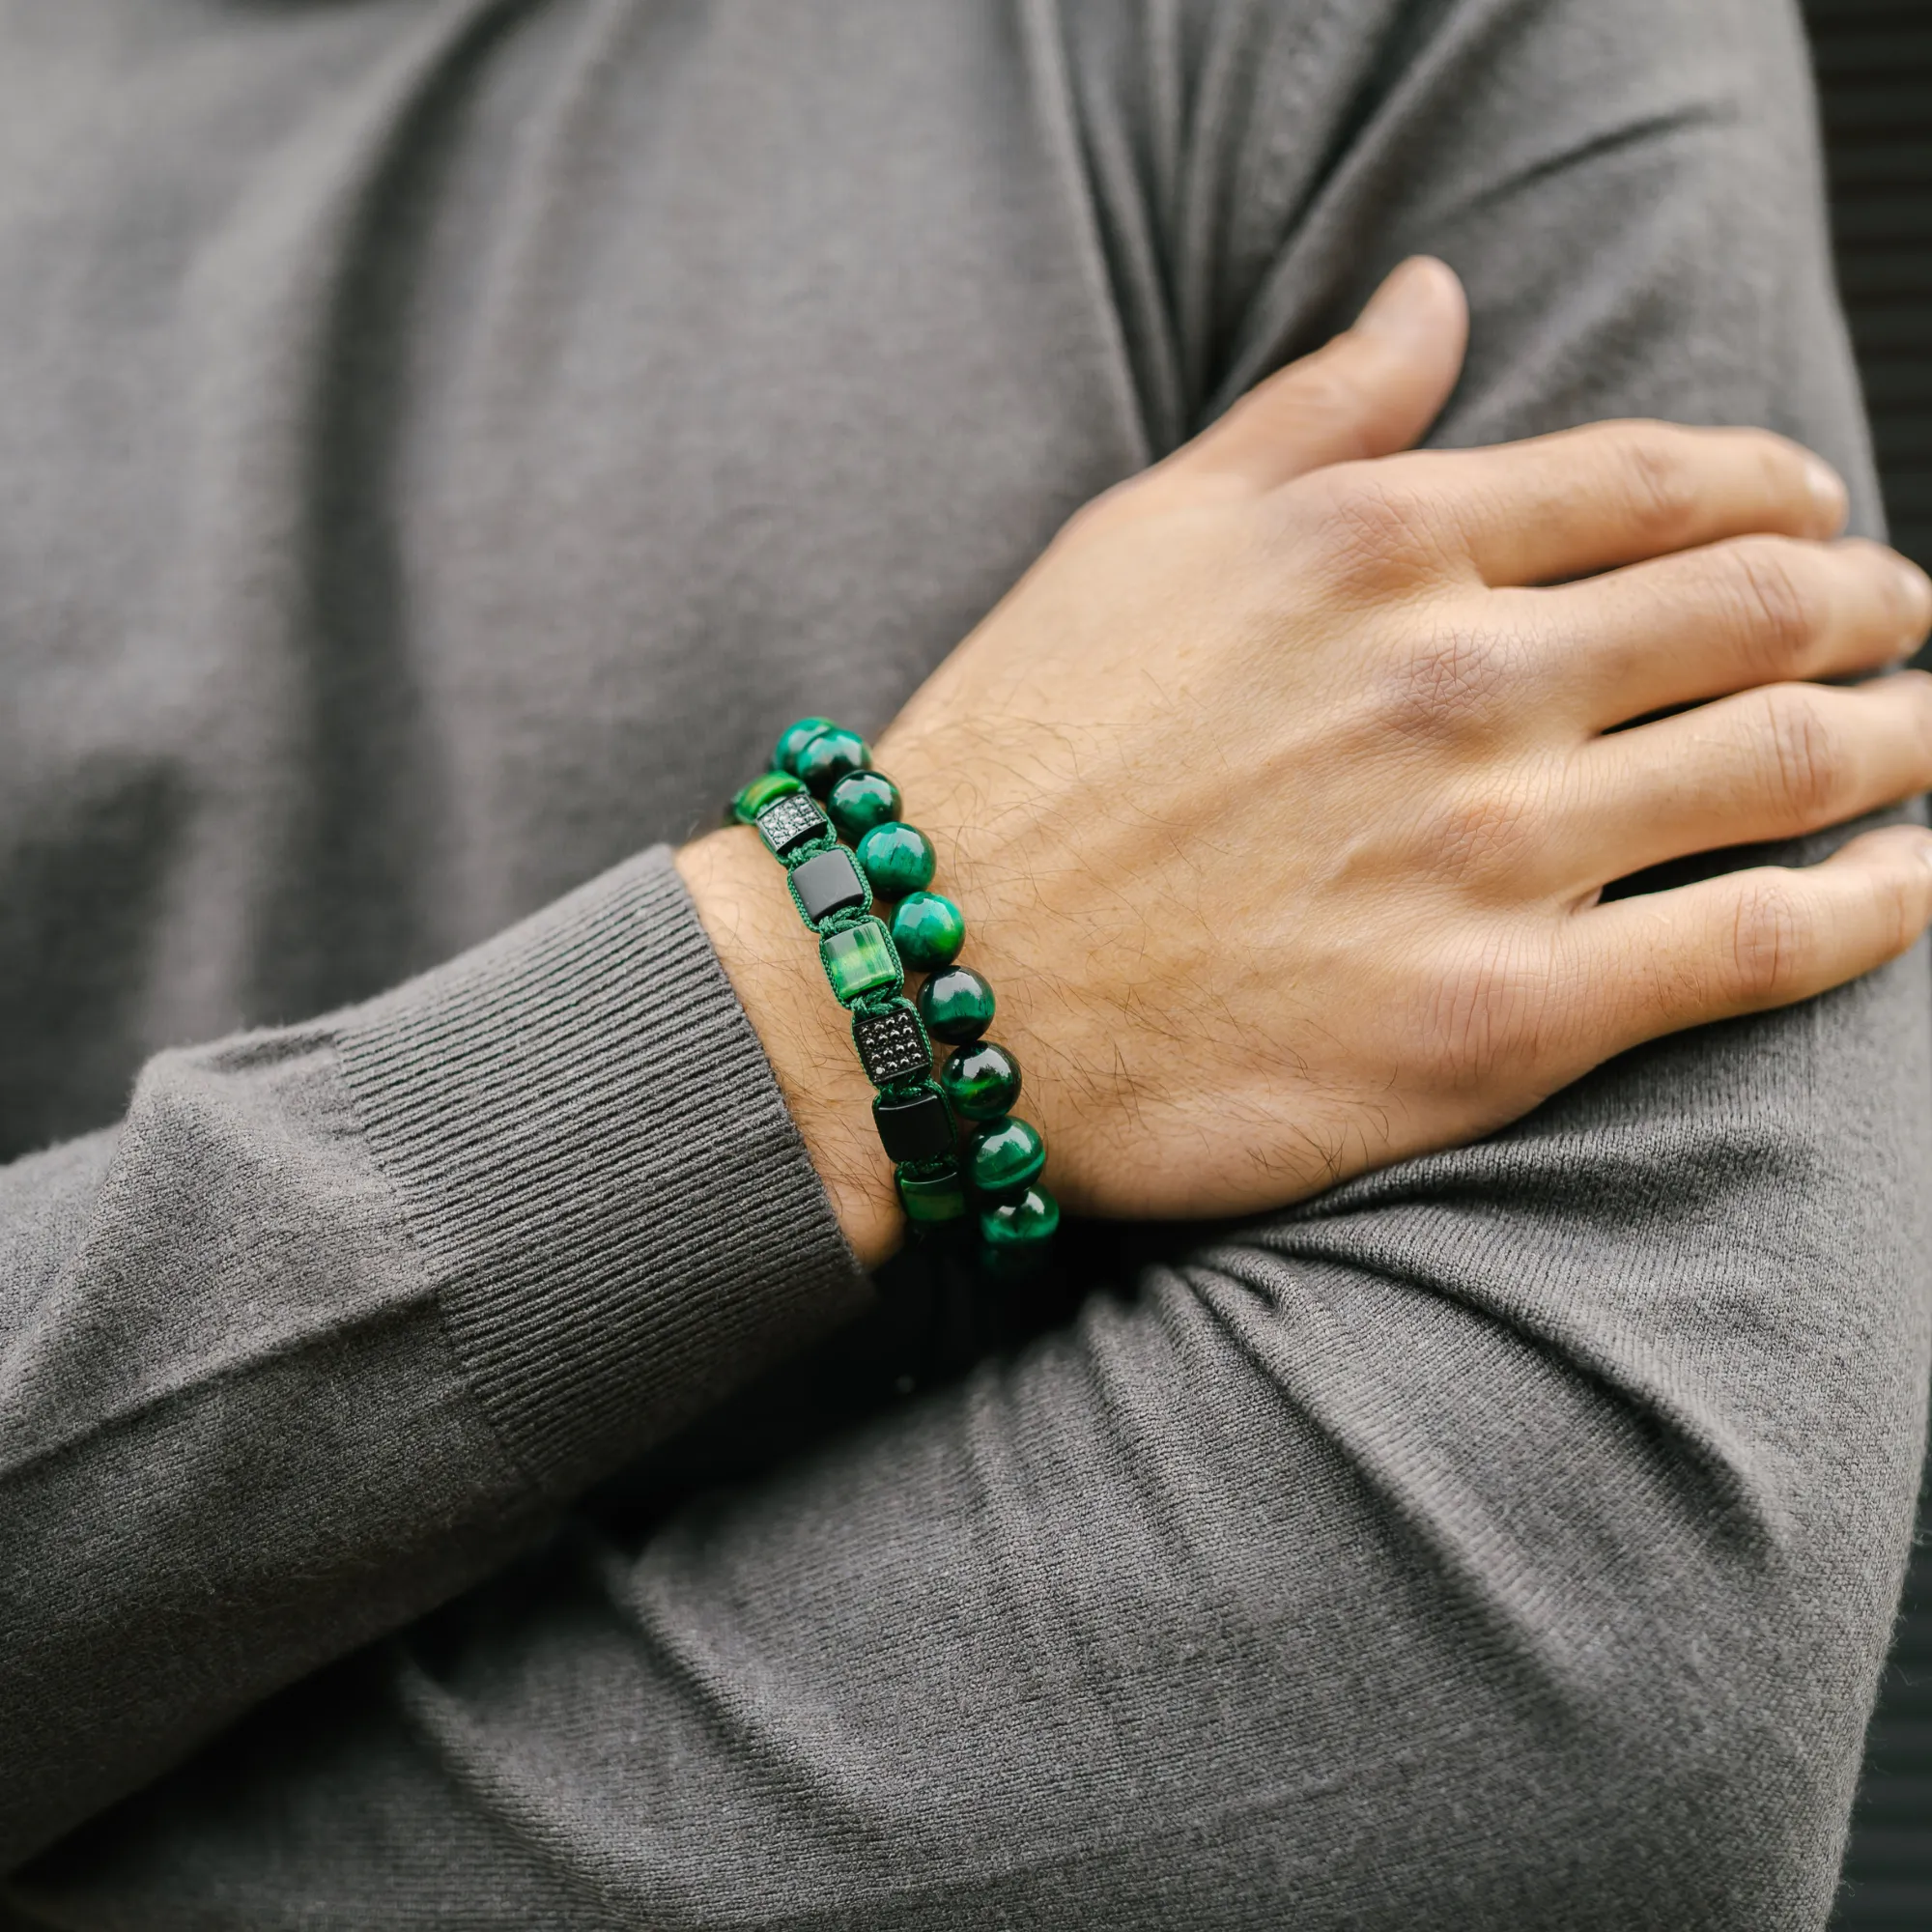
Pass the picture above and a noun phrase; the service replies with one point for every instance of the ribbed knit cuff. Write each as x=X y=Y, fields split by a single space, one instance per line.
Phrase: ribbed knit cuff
x=598 y=1168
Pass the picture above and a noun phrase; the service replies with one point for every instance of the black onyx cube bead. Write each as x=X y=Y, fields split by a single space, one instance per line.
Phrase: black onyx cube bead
x=892 y=1044
x=789 y=822
x=919 y=1128
x=829 y=882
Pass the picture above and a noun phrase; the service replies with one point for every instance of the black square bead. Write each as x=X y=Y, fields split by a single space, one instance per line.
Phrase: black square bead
x=891 y=1045
x=830 y=882
x=789 y=822
x=916 y=1129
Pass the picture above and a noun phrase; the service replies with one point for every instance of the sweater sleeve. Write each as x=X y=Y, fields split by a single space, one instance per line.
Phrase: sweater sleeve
x=1508 y=1538
x=325 y=1327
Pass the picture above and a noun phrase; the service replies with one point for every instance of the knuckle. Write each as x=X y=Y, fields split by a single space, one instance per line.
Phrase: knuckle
x=1372 y=531
x=1488 y=828
x=1652 y=472
x=1772 y=937
x=1450 y=680
x=1774 y=613
x=1803 y=762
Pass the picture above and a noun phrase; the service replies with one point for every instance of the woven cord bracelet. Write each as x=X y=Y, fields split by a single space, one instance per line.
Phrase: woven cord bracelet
x=991 y=1183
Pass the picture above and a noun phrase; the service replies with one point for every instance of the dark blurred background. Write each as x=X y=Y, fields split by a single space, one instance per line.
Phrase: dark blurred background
x=1875 y=78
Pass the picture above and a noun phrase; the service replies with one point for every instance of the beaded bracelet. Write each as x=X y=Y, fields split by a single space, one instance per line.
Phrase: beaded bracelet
x=865 y=960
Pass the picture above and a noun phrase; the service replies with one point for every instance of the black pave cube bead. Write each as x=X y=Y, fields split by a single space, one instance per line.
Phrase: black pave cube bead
x=892 y=1044
x=789 y=822
x=830 y=882
x=919 y=1128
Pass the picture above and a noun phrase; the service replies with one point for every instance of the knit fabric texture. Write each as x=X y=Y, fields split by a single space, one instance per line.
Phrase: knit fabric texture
x=451 y=1470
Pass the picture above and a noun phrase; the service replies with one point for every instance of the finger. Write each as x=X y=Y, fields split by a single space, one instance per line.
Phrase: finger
x=1374 y=389
x=1754 y=610
x=1748 y=941
x=1773 y=763
x=1588 y=500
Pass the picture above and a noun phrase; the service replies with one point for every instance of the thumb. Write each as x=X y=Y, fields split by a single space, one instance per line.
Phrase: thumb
x=1372 y=390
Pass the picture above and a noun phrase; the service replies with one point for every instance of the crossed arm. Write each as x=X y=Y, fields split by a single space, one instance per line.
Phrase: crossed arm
x=1507 y=1537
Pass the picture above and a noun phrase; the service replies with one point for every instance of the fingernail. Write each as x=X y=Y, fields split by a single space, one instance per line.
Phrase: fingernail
x=1403 y=309
x=1925 y=852
x=1828 y=490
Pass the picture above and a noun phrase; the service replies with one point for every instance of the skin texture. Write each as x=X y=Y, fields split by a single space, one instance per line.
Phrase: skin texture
x=1281 y=792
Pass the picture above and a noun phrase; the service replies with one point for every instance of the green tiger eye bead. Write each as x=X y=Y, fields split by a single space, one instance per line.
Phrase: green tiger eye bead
x=956 y=1004
x=1006 y=1155
x=761 y=792
x=928 y=929
x=794 y=738
x=860 y=960
x=833 y=754
x=982 y=1081
x=1019 y=1230
x=860 y=801
x=930 y=1202
x=898 y=858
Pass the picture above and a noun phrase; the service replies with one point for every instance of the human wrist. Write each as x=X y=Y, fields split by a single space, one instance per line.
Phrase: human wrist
x=748 y=917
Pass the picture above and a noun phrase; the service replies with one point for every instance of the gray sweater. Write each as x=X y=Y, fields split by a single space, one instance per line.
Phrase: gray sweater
x=441 y=442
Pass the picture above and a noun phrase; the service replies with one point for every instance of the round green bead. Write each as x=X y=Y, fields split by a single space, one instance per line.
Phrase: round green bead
x=1006 y=1155
x=982 y=1081
x=956 y=1004
x=1026 y=1224
x=834 y=753
x=898 y=858
x=860 y=801
x=761 y=792
x=928 y=929
x=794 y=738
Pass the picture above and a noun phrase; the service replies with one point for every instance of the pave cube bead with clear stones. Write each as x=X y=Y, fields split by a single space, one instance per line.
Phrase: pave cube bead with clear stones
x=891 y=1045
x=789 y=822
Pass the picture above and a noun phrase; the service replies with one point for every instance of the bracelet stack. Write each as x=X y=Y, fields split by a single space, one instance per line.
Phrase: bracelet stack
x=821 y=788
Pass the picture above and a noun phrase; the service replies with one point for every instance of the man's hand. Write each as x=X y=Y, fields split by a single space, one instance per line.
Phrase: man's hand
x=1280 y=794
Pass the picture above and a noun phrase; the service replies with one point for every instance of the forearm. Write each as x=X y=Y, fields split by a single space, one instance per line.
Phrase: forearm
x=337 y=1317
x=1509 y=1538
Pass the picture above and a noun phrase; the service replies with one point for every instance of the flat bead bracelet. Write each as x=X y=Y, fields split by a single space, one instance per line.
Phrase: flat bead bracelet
x=993 y=1181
